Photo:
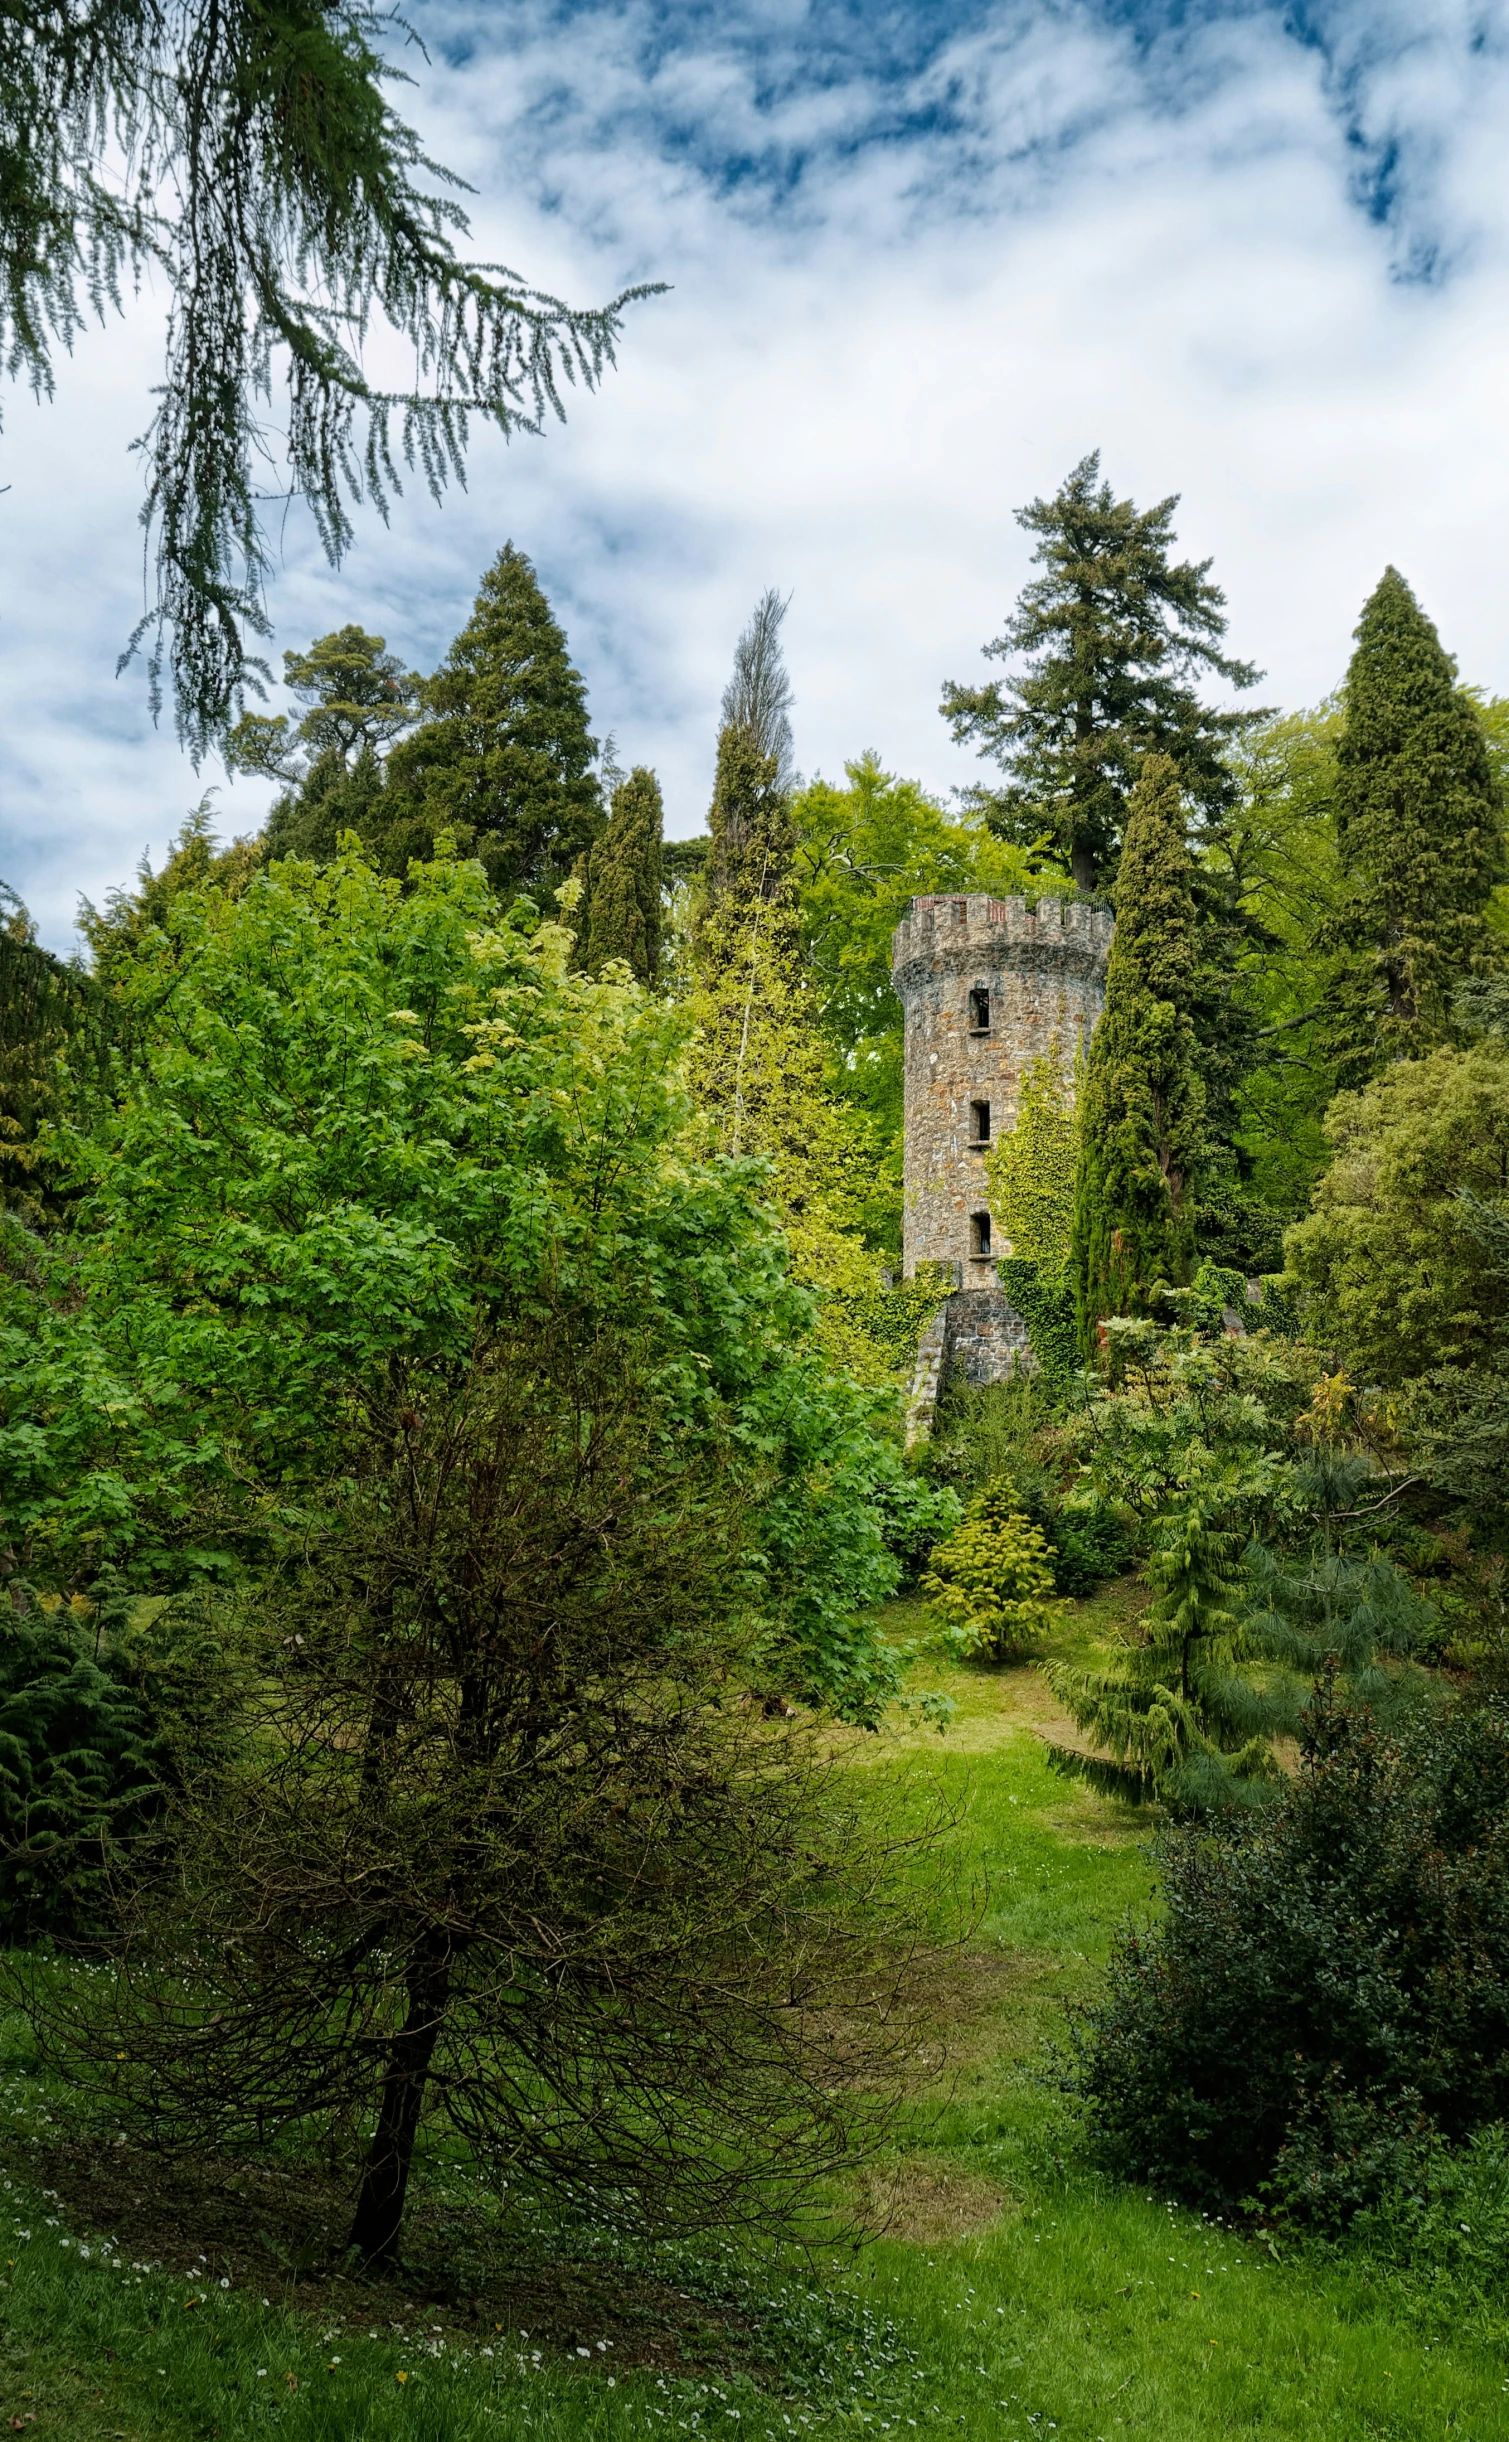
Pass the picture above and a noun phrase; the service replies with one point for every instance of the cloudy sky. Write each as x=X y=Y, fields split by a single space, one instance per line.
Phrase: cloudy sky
x=923 y=254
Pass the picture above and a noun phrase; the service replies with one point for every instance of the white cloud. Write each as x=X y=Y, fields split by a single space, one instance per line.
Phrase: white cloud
x=902 y=305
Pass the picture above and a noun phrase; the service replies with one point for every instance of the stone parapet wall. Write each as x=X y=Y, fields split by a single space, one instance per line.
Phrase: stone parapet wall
x=1043 y=968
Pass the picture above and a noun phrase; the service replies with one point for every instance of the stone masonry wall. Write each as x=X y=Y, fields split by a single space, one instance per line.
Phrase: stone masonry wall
x=1044 y=970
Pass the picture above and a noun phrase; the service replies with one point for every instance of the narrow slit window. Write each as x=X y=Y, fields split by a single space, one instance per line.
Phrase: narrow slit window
x=979 y=1009
x=979 y=1116
x=979 y=1233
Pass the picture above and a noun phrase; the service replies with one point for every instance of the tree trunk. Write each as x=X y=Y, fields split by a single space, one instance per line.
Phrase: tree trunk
x=1082 y=864
x=385 y=2179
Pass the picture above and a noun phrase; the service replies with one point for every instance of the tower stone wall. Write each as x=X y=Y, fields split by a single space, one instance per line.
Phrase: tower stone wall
x=988 y=986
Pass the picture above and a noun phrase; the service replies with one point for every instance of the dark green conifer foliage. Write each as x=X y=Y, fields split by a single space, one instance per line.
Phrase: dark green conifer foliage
x=51 y=1038
x=1113 y=635
x=1420 y=830
x=505 y=760
x=750 y=825
x=360 y=698
x=622 y=913
x=1143 y=1117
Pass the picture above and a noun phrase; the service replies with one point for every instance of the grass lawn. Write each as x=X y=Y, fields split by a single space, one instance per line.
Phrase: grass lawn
x=1014 y=2296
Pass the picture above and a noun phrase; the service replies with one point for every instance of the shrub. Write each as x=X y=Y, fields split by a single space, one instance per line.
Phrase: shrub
x=991 y=1581
x=1327 y=1992
x=75 y=1774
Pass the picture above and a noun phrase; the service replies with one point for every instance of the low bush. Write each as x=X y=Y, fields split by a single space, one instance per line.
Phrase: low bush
x=991 y=1583
x=1326 y=1997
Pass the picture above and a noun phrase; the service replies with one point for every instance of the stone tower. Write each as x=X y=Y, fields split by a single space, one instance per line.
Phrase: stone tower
x=988 y=986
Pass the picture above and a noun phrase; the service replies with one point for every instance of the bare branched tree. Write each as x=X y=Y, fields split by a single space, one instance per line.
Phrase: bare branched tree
x=758 y=697
x=511 y=1846
x=244 y=153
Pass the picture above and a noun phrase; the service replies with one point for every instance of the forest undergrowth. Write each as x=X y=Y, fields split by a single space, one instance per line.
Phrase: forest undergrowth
x=1008 y=2290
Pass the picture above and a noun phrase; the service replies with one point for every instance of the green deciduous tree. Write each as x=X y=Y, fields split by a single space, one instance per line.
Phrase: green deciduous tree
x=1142 y=1113
x=1420 y=831
x=622 y=909
x=1392 y=1270
x=504 y=760
x=245 y=159
x=1113 y=636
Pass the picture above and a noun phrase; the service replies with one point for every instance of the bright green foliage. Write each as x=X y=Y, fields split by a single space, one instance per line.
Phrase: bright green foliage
x=1275 y=857
x=245 y=163
x=991 y=1582
x=1142 y=1113
x=195 y=863
x=1031 y=1170
x=503 y=762
x=360 y=698
x=370 y=1114
x=1390 y=1267
x=1113 y=635
x=1420 y=830
x=622 y=915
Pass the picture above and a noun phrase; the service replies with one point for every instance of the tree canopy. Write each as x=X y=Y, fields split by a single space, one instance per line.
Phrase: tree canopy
x=1112 y=638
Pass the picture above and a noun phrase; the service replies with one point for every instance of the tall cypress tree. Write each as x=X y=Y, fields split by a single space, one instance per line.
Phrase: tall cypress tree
x=1420 y=830
x=621 y=915
x=505 y=760
x=1112 y=638
x=1143 y=1116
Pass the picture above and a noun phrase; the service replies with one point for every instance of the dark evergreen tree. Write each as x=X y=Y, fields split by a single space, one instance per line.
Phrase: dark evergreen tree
x=360 y=699
x=1420 y=830
x=621 y=914
x=505 y=760
x=1112 y=637
x=51 y=1038
x=1142 y=1131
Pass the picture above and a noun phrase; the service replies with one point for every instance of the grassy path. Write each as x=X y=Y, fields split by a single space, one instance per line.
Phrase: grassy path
x=1014 y=2297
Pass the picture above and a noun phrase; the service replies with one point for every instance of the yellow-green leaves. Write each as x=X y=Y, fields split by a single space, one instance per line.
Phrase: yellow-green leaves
x=991 y=1583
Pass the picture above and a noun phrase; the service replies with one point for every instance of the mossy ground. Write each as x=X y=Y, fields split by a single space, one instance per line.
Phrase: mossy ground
x=1013 y=2294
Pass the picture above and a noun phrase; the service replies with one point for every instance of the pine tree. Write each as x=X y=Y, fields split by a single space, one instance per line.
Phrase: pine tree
x=1113 y=635
x=360 y=699
x=1143 y=1110
x=1420 y=831
x=505 y=760
x=622 y=911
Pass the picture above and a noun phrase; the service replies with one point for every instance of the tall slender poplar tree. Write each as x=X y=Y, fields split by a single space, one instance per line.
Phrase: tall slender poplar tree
x=1108 y=643
x=621 y=914
x=1419 y=819
x=1142 y=1130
